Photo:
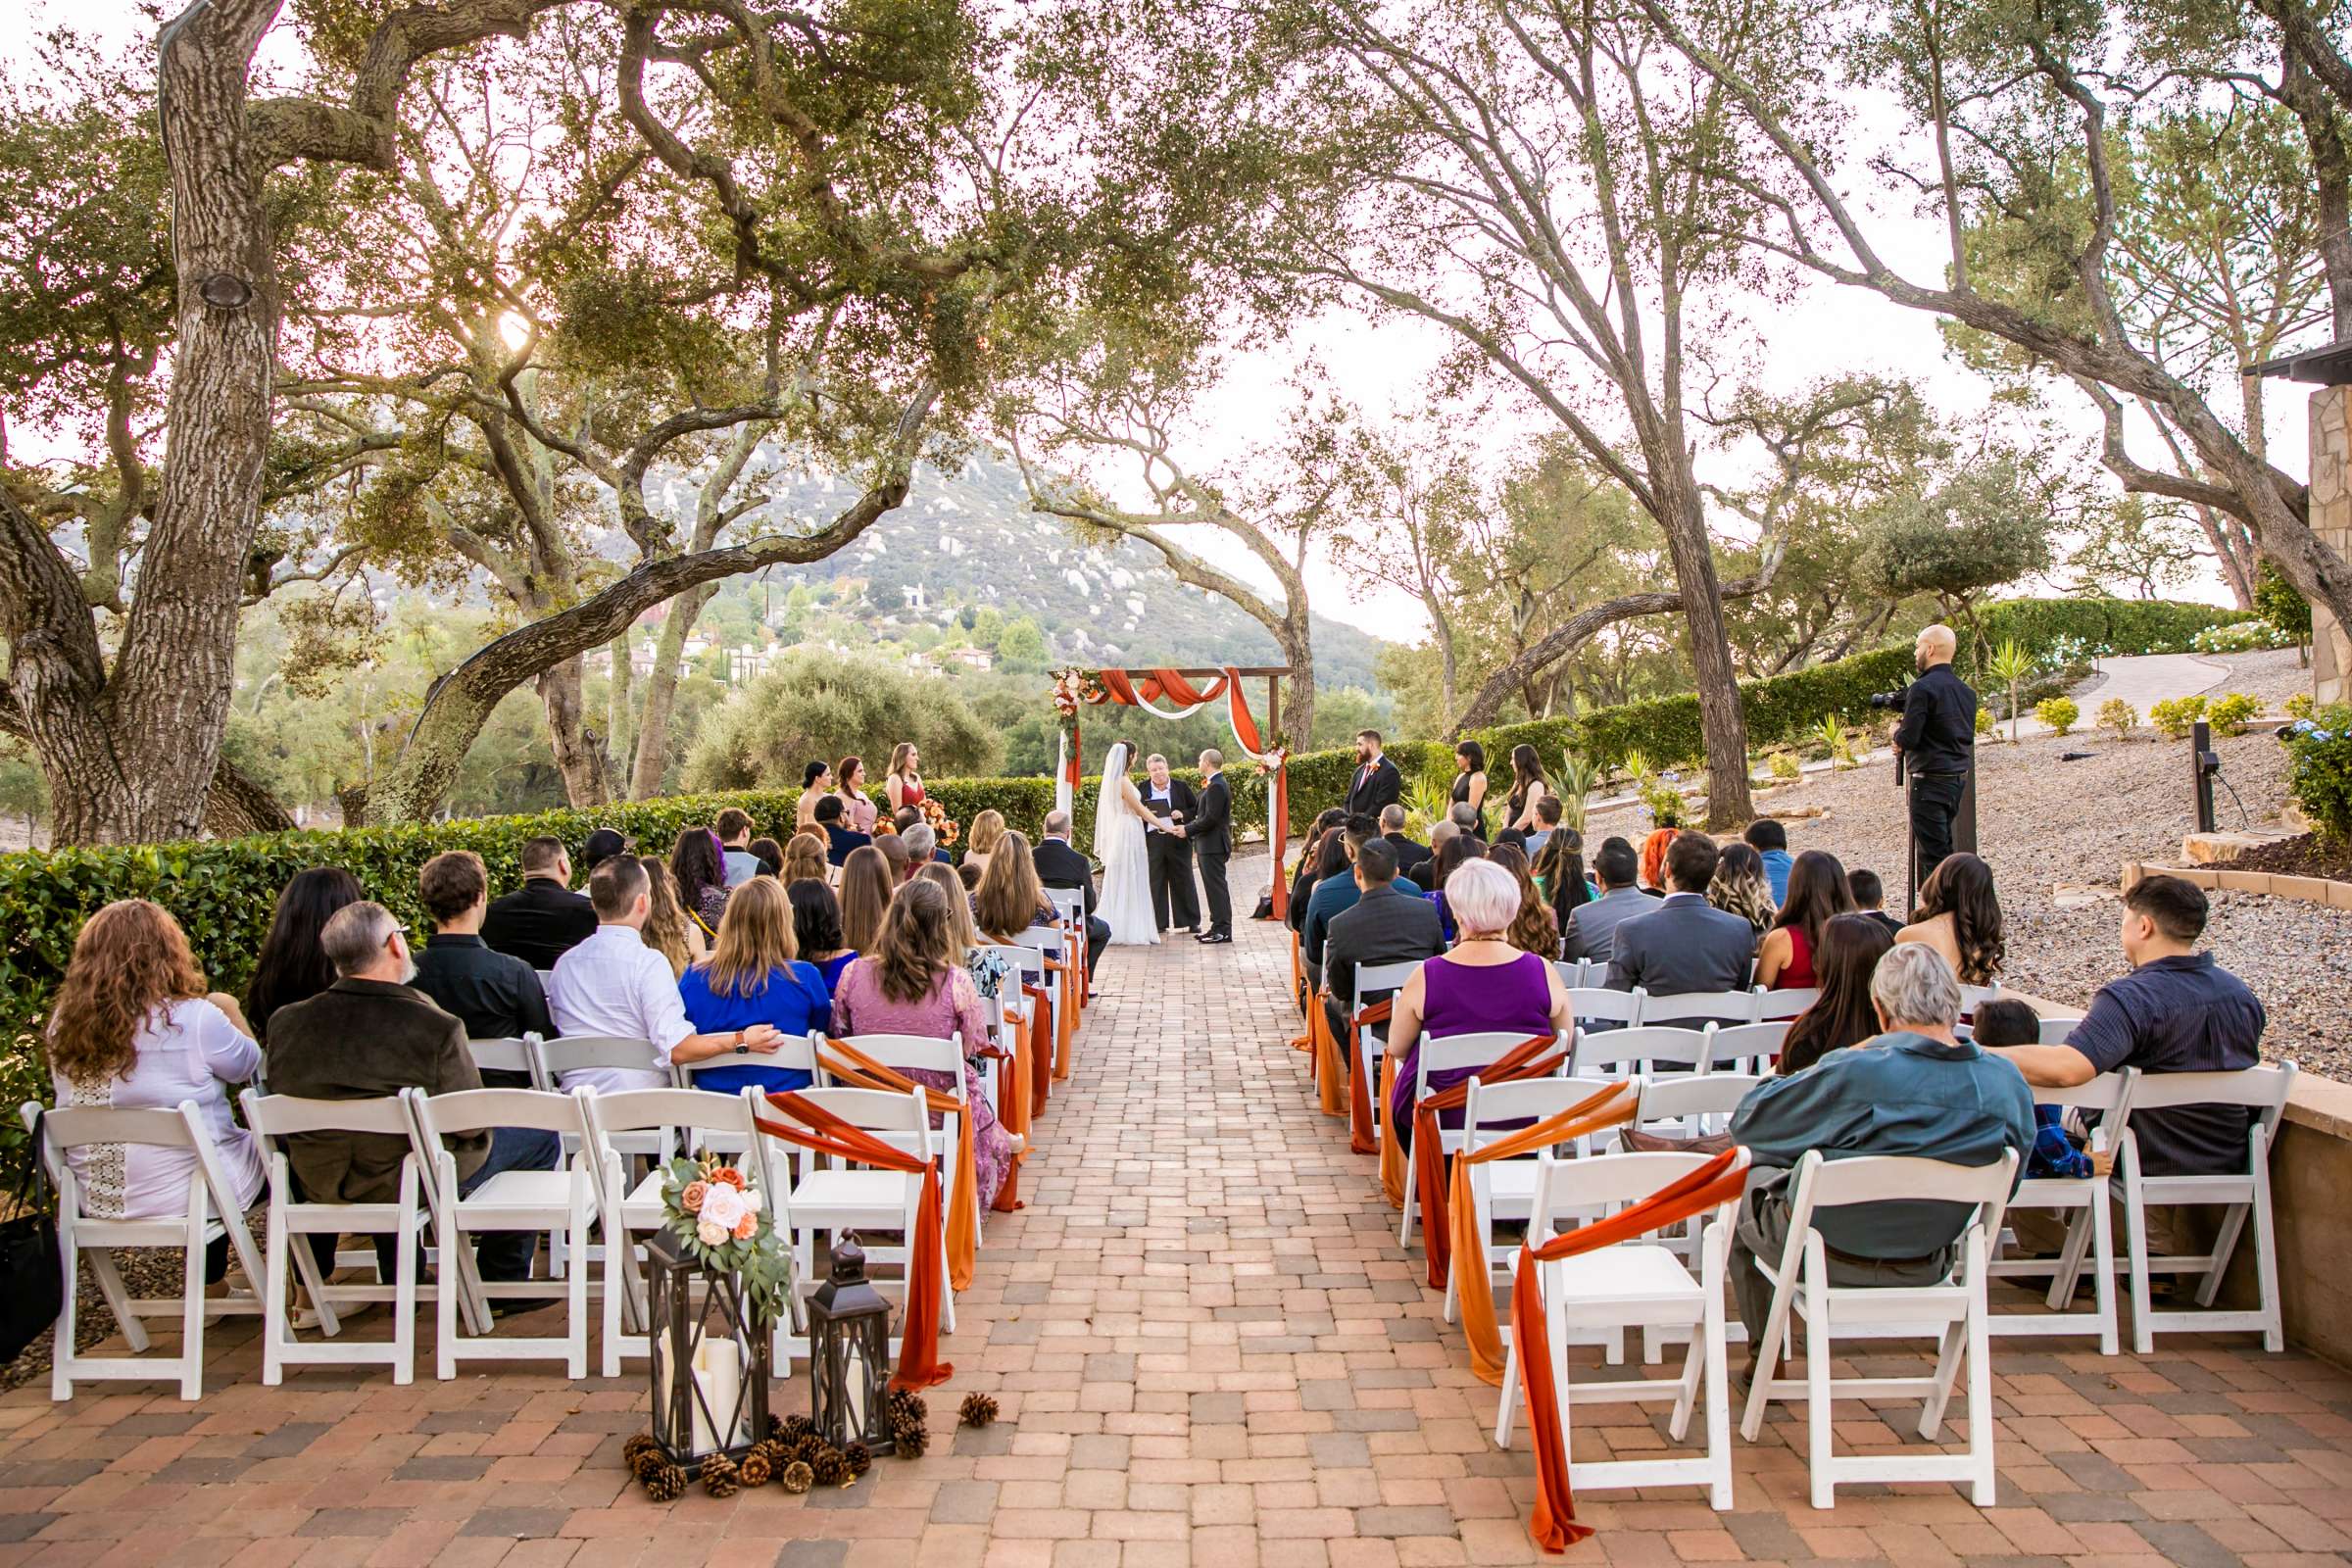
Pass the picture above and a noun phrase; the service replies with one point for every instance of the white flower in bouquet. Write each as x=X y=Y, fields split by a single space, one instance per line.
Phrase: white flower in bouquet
x=723 y=1207
x=710 y=1234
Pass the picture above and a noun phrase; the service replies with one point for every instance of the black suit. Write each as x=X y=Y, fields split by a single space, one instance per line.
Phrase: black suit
x=1211 y=835
x=1060 y=866
x=1410 y=857
x=1383 y=927
x=1368 y=791
x=1174 y=899
x=538 y=924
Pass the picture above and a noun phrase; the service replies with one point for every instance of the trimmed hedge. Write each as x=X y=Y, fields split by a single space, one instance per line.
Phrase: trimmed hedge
x=2118 y=626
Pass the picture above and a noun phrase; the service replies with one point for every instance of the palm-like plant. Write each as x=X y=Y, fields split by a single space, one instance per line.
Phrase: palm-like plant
x=1576 y=781
x=1426 y=800
x=1832 y=734
x=2010 y=665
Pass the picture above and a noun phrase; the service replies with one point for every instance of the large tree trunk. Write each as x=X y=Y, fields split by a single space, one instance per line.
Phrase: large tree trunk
x=580 y=755
x=1297 y=651
x=239 y=805
x=661 y=692
x=620 y=705
x=1722 y=722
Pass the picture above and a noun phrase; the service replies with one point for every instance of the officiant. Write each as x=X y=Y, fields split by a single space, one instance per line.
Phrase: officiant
x=1173 y=807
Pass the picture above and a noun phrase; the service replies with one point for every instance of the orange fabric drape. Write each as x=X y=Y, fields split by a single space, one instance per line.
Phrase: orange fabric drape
x=1012 y=1112
x=919 y=1365
x=1298 y=973
x=1522 y=1060
x=1392 y=1148
x=1041 y=1048
x=1553 y=1525
x=1331 y=1093
x=1360 y=1093
x=861 y=1071
x=1612 y=1107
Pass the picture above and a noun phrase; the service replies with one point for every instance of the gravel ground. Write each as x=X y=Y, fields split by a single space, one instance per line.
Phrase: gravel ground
x=2045 y=823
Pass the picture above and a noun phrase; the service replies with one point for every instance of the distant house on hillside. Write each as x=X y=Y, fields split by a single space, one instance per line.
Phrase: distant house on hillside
x=971 y=658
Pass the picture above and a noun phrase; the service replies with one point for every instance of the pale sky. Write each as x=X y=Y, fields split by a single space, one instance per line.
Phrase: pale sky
x=1825 y=331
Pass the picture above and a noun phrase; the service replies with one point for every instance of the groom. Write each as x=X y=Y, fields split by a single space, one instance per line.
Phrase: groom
x=1210 y=834
x=1171 y=803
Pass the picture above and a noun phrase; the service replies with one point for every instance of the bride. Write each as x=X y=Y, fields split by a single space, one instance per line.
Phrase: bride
x=1120 y=817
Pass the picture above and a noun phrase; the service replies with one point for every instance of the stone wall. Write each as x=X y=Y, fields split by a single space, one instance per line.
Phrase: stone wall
x=2332 y=516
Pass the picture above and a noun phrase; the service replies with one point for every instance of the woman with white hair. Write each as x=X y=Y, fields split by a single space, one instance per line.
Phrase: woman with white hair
x=1484 y=986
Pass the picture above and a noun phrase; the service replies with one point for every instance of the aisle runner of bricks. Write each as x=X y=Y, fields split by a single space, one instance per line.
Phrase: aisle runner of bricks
x=1209 y=1350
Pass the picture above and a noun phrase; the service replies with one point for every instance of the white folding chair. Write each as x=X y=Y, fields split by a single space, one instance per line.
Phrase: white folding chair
x=1048 y=940
x=1748 y=1046
x=1693 y=1103
x=1450 y=1054
x=512 y=1054
x=906 y=1054
x=2055 y=1030
x=274 y=1118
x=2089 y=1225
x=212 y=1211
x=683 y=1119
x=563 y=1198
x=570 y=1053
x=1642 y=1049
x=2262 y=1091
x=1634 y=1284
x=1779 y=1007
x=1503 y=1190
x=1578 y=973
x=1693 y=1010
x=793 y=1053
x=1973 y=996
x=1372 y=1038
x=1600 y=1005
x=1952 y=1310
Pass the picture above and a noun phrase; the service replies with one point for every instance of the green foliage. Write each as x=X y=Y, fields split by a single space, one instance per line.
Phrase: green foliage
x=1784 y=766
x=1988 y=526
x=1575 y=781
x=1831 y=731
x=2120 y=716
x=1983 y=719
x=2299 y=706
x=817 y=706
x=2105 y=626
x=2231 y=714
x=2059 y=713
x=2319 y=770
x=2242 y=637
x=1664 y=802
x=2174 y=715
x=2277 y=601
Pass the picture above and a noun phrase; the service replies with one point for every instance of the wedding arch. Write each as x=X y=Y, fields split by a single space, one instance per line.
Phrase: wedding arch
x=1174 y=694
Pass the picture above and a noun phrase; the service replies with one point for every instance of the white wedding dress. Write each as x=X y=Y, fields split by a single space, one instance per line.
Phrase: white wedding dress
x=1126 y=902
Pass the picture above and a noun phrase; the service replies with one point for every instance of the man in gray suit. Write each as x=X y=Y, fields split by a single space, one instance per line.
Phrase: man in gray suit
x=1381 y=926
x=1683 y=944
x=1593 y=927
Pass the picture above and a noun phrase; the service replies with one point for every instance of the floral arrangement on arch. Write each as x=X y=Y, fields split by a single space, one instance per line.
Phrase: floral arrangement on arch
x=1270 y=760
x=719 y=1216
x=943 y=826
x=1074 y=688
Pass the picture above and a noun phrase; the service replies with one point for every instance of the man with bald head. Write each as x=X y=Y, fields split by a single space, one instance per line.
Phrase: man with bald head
x=1938 y=739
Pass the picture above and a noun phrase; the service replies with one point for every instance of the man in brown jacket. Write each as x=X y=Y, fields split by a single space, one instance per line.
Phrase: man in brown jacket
x=371 y=1034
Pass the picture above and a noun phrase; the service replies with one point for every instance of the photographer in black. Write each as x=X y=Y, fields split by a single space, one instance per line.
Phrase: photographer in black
x=1937 y=741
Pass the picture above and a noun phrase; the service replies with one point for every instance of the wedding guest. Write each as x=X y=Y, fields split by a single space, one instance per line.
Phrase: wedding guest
x=543 y=919
x=770 y=855
x=1870 y=897
x=1384 y=925
x=604 y=844
x=2000 y=1024
x=1560 y=874
x=1842 y=1016
x=134 y=1025
x=840 y=840
x=817 y=782
x=1512 y=837
x=866 y=885
x=1483 y=986
x=1529 y=789
x=1653 y=859
x=738 y=865
x=1683 y=944
x=986 y=966
x=1548 y=812
x=849 y=776
x=805 y=858
x=753 y=977
x=910 y=984
x=292 y=966
x=1960 y=917
x=1816 y=894
x=702 y=877
x=1455 y=854
x=816 y=931
x=410 y=1044
x=986 y=828
x=1310 y=857
x=1467 y=822
x=904 y=817
x=615 y=985
x=1738 y=887
x=496 y=996
x=1591 y=930
x=921 y=844
x=1410 y=857
x=893 y=848
x=1333 y=890
x=969 y=875
x=1535 y=930
x=1009 y=898
x=1770 y=839
x=667 y=931
x=1470 y=786
x=1425 y=876
x=1060 y=866
x=903 y=783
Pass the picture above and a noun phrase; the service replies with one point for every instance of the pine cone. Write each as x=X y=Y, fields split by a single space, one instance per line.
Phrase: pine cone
x=664 y=1484
x=908 y=1437
x=803 y=1448
x=797 y=1426
x=775 y=1428
x=796 y=1478
x=979 y=1410
x=828 y=1467
x=755 y=1469
x=858 y=1457
x=647 y=1461
x=642 y=1442
x=906 y=1401
x=777 y=1453
x=719 y=1475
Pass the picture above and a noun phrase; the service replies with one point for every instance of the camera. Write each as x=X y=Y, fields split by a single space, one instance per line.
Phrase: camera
x=1893 y=699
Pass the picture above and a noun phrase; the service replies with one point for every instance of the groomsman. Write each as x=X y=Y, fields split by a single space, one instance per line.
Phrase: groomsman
x=1210 y=834
x=1171 y=801
x=1376 y=784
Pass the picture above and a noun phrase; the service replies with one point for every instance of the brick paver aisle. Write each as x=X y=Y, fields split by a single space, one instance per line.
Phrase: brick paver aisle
x=1209 y=1350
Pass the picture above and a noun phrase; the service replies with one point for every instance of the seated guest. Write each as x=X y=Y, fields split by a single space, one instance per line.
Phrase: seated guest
x=2001 y=1022
x=804 y=858
x=987 y=966
x=839 y=840
x=1409 y=855
x=1310 y=857
x=816 y=931
x=667 y=931
x=1425 y=874
x=494 y=995
x=1548 y=812
x=1060 y=866
x=543 y=919
x=921 y=843
x=1591 y=930
x=1468 y=822
x=1384 y=925
x=613 y=985
x=1483 y=986
x=1960 y=918
x=1559 y=872
x=1653 y=860
x=986 y=828
x=1455 y=853
x=410 y=1043
x=604 y=844
x=1512 y=837
x=133 y=1025
x=1770 y=839
x=904 y=817
x=1843 y=1014
x=895 y=857
x=736 y=859
x=1009 y=898
x=292 y=966
x=866 y=885
x=1535 y=930
x=1870 y=897
x=770 y=855
x=912 y=984
x=1683 y=944
x=968 y=874
x=702 y=877
x=1817 y=894
x=1915 y=1090
x=1738 y=887
x=817 y=782
x=1334 y=891
x=751 y=978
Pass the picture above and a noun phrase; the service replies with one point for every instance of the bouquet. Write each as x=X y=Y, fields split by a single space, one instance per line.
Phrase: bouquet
x=721 y=1220
x=943 y=826
x=1073 y=688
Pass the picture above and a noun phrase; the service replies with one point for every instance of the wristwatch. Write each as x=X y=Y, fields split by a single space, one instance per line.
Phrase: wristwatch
x=741 y=1049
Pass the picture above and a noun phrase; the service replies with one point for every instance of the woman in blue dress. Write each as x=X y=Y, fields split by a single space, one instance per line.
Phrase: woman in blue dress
x=754 y=977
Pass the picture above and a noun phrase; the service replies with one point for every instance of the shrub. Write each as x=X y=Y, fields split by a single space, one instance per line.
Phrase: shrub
x=2175 y=714
x=2231 y=714
x=1784 y=766
x=1667 y=807
x=1832 y=732
x=1983 y=719
x=2299 y=706
x=2120 y=716
x=2111 y=625
x=2320 y=770
x=2240 y=637
x=2059 y=713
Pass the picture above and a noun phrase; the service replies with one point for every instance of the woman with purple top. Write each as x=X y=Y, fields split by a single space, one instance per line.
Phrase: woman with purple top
x=1484 y=986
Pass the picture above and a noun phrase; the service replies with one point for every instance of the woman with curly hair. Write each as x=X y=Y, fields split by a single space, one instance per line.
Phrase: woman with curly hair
x=1536 y=929
x=667 y=931
x=1960 y=917
x=699 y=863
x=1739 y=886
x=804 y=859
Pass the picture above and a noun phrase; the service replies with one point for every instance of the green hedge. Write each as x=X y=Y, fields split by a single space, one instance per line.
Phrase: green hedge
x=2107 y=626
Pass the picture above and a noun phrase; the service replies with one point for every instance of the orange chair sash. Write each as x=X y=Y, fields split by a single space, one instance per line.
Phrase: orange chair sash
x=1041 y=1048
x=1522 y=1060
x=853 y=1066
x=1331 y=1093
x=1392 y=1148
x=1360 y=1093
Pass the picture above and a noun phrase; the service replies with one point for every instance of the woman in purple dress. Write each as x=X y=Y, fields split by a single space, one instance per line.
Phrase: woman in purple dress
x=913 y=983
x=1484 y=986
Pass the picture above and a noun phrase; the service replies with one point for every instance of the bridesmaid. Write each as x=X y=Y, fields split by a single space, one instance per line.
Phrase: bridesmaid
x=903 y=783
x=1470 y=781
x=849 y=778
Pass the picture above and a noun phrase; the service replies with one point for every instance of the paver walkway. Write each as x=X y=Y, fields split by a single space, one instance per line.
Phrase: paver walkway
x=1209 y=1350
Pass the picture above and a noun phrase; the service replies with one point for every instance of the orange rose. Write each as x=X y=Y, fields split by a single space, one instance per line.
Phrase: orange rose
x=691 y=1200
x=729 y=1175
x=747 y=1227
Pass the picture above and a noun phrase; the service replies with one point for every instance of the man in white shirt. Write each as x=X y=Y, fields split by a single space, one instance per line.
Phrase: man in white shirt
x=615 y=985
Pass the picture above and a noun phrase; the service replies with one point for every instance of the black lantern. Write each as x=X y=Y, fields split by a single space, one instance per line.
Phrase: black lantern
x=848 y=1357
x=709 y=1357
